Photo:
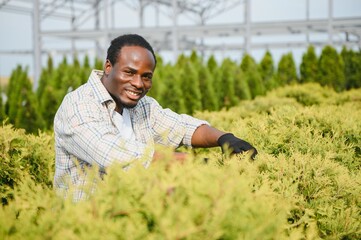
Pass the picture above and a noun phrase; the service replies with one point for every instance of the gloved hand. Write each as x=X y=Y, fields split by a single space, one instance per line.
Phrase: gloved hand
x=235 y=144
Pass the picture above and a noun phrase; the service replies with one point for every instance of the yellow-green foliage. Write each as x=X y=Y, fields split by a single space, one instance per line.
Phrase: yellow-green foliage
x=304 y=184
x=21 y=155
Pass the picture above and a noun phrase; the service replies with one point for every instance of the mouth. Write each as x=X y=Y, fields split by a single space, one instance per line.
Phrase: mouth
x=133 y=95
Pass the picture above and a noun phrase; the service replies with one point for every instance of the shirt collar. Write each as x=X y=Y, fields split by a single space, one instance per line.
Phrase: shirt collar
x=97 y=86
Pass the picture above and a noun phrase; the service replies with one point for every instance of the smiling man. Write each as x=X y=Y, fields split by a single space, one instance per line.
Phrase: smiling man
x=110 y=119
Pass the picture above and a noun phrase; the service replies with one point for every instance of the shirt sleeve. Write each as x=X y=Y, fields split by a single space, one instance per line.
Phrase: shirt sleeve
x=82 y=131
x=171 y=128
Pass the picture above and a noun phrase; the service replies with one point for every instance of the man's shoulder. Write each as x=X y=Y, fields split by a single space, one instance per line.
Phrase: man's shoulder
x=145 y=106
x=77 y=105
x=91 y=90
x=83 y=92
x=147 y=101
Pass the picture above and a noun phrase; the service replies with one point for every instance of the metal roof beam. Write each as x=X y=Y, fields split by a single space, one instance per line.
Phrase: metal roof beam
x=256 y=29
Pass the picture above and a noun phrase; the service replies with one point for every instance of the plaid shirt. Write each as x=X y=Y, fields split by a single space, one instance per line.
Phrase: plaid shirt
x=85 y=133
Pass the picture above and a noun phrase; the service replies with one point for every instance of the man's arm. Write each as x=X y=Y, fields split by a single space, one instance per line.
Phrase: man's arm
x=204 y=136
x=207 y=136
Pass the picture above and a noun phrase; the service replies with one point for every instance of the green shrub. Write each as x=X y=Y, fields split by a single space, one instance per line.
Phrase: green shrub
x=24 y=154
x=331 y=69
x=286 y=70
x=304 y=184
x=352 y=69
x=308 y=67
x=307 y=95
x=253 y=76
x=2 y=108
x=267 y=70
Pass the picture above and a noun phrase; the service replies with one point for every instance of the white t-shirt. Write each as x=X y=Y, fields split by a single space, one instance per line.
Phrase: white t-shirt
x=124 y=125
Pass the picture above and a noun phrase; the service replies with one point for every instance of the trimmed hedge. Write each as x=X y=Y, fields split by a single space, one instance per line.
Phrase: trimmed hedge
x=304 y=184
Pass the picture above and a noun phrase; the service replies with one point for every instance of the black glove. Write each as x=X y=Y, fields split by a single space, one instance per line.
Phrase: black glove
x=235 y=144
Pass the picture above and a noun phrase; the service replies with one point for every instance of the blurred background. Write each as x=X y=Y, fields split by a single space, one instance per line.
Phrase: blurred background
x=34 y=30
x=211 y=54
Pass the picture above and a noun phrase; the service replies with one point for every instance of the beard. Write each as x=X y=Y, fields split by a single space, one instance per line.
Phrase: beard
x=122 y=104
x=129 y=105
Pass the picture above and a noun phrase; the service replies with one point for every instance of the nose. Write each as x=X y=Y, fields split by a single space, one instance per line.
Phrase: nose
x=137 y=81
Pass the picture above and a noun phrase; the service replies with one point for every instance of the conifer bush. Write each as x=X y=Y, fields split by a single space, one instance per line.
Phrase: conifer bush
x=286 y=71
x=304 y=184
x=22 y=107
x=2 y=108
x=208 y=90
x=226 y=88
x=267 y=71
x=253 y=77
x=310 y=94
x=352 y=69
x=215 y=74
x=189 y=83
x=24 y=155
x=171 y=97
x=308 y=67
x=331 y=70
x=241 y=86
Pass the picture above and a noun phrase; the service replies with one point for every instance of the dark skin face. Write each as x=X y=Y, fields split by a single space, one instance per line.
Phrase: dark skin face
x=130 y=78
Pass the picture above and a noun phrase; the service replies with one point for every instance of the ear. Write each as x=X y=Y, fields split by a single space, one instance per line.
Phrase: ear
x=107 y=67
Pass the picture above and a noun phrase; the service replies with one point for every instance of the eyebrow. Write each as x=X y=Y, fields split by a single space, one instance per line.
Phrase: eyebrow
x=131 y=69
x=135 y=70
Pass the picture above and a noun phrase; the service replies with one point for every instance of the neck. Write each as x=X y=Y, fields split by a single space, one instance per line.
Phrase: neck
x=119 y=109
x=118 y=106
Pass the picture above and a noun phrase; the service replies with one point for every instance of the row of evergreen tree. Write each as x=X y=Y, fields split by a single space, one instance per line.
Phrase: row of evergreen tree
x=189 y=85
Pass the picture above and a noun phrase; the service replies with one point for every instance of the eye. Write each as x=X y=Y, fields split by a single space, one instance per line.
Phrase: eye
x=128 y=73
x=147 y=77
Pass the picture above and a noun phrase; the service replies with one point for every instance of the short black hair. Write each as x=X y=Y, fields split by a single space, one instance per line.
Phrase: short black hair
x=127 y=40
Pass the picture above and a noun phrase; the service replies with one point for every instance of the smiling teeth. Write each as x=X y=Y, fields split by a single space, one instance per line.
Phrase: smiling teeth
x=133 y=93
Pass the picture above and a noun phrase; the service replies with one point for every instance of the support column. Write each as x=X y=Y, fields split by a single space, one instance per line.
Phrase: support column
x=73 y=29
x=307 y=19
x=36 y=44
x=99 y=49
x=157 y=15
x=330 y=21
x=112 y=18
x=141 y=13
x=175 y=30
x=106 y=22
x=247 y=21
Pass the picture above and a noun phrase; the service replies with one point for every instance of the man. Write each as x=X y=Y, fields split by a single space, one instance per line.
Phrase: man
x=110 y=118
